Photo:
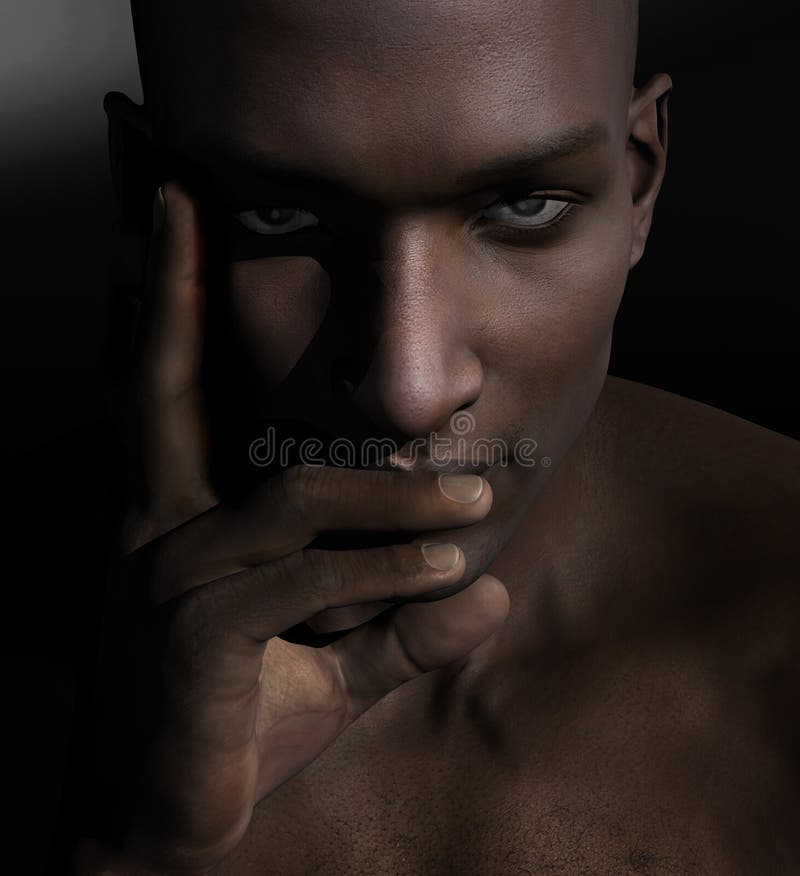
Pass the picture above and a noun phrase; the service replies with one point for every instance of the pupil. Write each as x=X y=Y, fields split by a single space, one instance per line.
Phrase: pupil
x=531 y=207
x=277 y=215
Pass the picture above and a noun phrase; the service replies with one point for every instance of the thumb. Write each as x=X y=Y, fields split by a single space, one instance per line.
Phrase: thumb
x=416 y=638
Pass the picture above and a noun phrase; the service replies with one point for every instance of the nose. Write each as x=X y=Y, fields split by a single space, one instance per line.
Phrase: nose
x=411 y=364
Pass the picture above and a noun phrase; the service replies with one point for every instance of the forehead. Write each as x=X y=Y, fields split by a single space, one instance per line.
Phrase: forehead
x=386 y=96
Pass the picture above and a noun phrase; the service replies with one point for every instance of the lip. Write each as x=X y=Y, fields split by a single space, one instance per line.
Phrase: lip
x=396 y=460
x=421 y=461
x=430 y=465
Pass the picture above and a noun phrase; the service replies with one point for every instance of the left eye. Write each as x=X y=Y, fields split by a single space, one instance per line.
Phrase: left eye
x=526 y=213
x=276 y=220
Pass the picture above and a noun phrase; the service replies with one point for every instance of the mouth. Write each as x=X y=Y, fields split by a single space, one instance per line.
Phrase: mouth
x=331 y=624
x=412 y=456
x=429 y=465
x=399 y=460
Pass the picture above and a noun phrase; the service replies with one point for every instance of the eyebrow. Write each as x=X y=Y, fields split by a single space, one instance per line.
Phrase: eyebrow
x=564 y=144
x=282 y=179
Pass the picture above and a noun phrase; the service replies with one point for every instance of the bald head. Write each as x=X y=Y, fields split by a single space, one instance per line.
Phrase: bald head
x=190 y=50
x=435 y=199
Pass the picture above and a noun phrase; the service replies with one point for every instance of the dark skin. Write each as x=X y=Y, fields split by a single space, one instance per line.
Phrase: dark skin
x=590 y=596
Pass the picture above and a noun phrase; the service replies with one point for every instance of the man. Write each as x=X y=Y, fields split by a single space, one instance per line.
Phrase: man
x=389 y=221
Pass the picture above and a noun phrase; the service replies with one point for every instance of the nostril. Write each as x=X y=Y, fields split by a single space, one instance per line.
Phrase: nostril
x=343 y=384
x=342 y=378
x=342 y=388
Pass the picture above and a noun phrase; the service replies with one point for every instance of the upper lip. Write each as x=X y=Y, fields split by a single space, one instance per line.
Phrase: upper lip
x=422 y=461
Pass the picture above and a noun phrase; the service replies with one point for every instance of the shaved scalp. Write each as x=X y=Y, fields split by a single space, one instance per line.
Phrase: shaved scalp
x=629 y=16
x=624 y=14
x=159 y=27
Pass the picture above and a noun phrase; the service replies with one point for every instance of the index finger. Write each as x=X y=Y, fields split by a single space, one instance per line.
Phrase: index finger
x=173 y=434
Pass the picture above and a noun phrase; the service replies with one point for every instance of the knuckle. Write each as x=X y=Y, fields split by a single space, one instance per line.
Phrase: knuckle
x=190 y=631
x=299 y=573
x=266 y=584
x=337 y=578
x=302 y=486
x=399 y=561
x=381 y=572
x=325 y=577
x=413 y=666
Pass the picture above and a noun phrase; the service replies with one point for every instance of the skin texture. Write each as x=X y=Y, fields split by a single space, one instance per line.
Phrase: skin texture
x=431 y=317
x=411 y=304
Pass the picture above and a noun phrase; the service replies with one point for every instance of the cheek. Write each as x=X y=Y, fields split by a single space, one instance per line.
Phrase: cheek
x=277 y=306
x=555 y=339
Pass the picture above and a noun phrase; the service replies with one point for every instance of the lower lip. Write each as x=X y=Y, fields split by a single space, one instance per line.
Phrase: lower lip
x=482 y=472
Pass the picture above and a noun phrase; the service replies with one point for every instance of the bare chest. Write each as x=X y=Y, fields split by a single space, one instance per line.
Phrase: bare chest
x=614 y=768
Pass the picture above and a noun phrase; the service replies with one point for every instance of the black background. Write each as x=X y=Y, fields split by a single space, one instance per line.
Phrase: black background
x=711 y=311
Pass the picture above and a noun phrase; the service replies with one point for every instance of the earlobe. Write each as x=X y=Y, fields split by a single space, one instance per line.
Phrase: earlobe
x=647 y=155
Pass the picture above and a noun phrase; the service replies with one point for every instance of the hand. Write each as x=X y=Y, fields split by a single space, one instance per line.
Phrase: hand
x=202 y=711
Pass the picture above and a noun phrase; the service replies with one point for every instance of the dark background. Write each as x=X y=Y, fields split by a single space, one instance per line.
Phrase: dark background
x=710 y=312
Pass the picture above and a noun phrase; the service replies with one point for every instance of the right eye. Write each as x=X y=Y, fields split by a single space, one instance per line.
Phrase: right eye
x=276 y=220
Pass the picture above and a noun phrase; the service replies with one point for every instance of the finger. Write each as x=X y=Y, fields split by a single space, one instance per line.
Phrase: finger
x=219 y=631
x=416 y=638
x=372 y=661
x=173 y=436
x=289 y=510
x=258 y=603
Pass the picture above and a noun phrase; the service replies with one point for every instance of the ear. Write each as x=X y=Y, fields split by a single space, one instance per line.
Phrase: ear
x=131 y=150
x=135 y=176
x=646 y=155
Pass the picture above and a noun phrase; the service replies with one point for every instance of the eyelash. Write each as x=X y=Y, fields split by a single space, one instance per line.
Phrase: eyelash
x=500 y=230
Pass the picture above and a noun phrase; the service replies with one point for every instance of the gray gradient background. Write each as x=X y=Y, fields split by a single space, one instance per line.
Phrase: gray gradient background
x=57 y=60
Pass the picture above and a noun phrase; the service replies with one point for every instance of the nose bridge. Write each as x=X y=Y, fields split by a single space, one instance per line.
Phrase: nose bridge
x=421 y=368
x=413 y=289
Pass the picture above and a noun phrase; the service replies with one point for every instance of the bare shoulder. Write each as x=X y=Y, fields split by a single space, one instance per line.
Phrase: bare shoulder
x=705 y=467
x=707 y=506
x=709 y=500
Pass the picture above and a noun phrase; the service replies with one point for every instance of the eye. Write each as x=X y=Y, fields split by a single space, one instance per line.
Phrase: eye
x=276 y=220
x=526 y=212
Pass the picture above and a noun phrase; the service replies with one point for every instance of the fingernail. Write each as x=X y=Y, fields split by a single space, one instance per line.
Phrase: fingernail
x=461 y=488
x=159 y=210
x=440 y=556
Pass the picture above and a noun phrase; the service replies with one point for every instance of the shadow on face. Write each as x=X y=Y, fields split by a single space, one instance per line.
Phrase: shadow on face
x=419 y=210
